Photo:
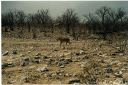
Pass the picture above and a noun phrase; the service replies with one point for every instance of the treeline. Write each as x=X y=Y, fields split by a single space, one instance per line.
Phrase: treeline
x=106 y=21
x=103 y=21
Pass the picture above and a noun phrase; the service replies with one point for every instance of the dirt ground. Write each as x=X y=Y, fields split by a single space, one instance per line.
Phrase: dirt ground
x=90 y=61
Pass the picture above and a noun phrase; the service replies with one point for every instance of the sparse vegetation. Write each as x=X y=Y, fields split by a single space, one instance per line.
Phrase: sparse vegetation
x=98 y=52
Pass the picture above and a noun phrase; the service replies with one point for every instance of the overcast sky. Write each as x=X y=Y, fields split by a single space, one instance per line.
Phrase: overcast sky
x=56 y=8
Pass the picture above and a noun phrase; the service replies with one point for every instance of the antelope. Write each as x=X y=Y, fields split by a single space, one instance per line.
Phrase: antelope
x=63 y=40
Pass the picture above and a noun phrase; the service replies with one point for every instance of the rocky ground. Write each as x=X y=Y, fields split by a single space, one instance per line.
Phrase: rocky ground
x=90 y=61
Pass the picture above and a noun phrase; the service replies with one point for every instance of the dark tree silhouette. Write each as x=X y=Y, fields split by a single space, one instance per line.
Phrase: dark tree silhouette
x=69 y=19
x=103 y=22
x=43 y=18
x=106 y=21
x=20 y=18
x=9 y=20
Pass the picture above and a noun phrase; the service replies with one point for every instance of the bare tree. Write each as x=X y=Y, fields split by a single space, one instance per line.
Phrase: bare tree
x=43 y=18
x=20 y=18
x=29 y=21
x=103 y=22
x=12 y=19
x=59 y=22
x=106 y=21
x=102 y=13
x=4 y=22
x=9 y=20
x=92 y=23
x=69 y=19
x=121 y=16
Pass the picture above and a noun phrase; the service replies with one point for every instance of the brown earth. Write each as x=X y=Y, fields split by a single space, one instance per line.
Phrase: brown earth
x=89 y=57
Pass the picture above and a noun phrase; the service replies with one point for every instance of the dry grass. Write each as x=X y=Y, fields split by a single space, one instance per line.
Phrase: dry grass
x=96 y=50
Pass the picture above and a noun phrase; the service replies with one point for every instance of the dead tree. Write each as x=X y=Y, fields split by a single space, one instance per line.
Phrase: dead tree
x=20 y=18
x=69 y=19
x=106 y=21
x=43 y=19
x=9 y=20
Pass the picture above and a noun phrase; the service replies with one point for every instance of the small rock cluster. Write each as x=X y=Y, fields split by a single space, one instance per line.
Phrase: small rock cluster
x=94 y=66
x=62 y=62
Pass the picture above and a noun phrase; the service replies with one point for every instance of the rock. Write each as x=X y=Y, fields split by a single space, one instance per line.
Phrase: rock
x=86 y=57
x=125 y=78
x=107 y=75
x=14 y=52
x=62 y=66
x=109 y=69
x=7 y=64
x=70 y=74
x=81 y=52
x=37 y=59
x=10 y=64
x=82 y=65
x=5 y=53
x=74 y=80
x=23 y=78
x=11 y=82
x=38 y=54
x=67 y=74
x=45 y=75
x=48 y=75
x=32 y=67
x=60 y=72
x=118 y=74
x=68 y=60
x=29 y=51
x=76 y=60
x=50 y=61
x=113 y=54
x=54 y=75
x=60 y=62
x=67 y=54
x=22 y=55
x=121 y=54
x=125 y=64
x=85 y=64
x=4 y=65
x=62 y=55
x=118 y=81
x=116 y=62
x=24 y=61
x=45 y=57
x=56 y=82
x=43 y=69
x=77 y=54
x=55 y=50
x=63 y=61
x=102 y=61
x=74 y=75
x=92 y=81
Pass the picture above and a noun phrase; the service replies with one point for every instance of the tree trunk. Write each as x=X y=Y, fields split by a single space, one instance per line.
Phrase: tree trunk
x=29 y=28
x=34 y=36
x=68 y=29
x=6 y=29
x=11 y=28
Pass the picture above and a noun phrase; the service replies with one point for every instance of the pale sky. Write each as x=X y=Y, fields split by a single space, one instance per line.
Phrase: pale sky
x=56 y=8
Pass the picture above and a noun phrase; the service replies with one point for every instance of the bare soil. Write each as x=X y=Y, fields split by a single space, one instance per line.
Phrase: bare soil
x=96 y=54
